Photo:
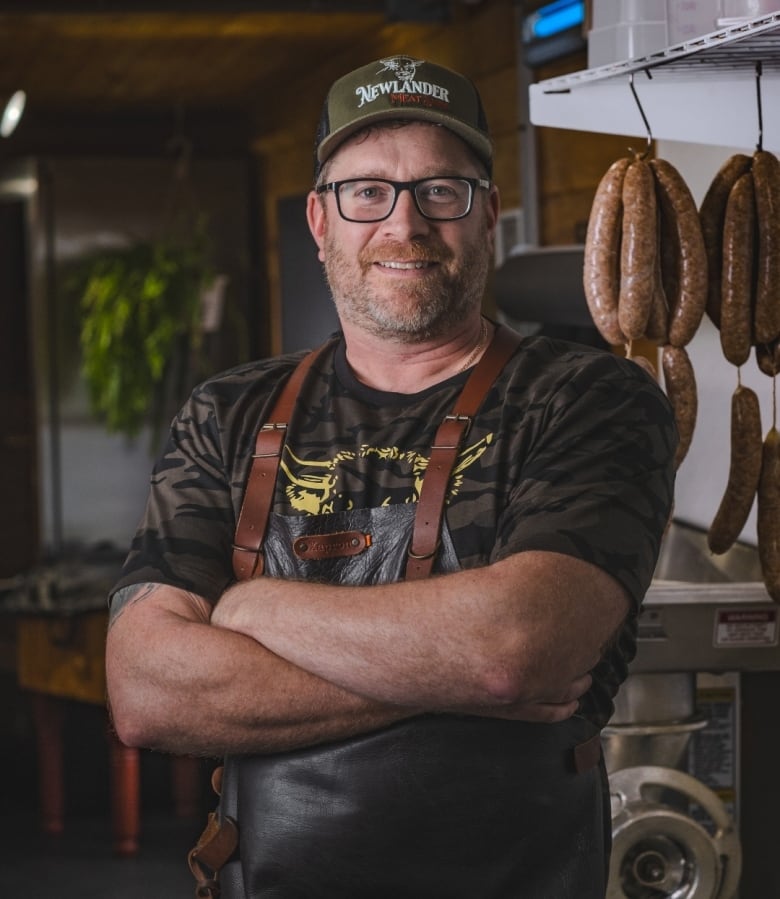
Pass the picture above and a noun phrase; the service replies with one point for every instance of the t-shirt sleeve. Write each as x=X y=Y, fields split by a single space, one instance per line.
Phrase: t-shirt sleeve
x=597 y=480
x=185 y=536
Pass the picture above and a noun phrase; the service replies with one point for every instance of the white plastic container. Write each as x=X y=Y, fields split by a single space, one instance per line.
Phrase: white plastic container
x=608 y=13
x=625 y=29
x=607 y=45
x=735 y=12
x=748 y=9
x=689 y=19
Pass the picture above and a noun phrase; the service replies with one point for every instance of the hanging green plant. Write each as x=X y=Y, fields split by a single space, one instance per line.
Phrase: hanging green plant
x=140 y=329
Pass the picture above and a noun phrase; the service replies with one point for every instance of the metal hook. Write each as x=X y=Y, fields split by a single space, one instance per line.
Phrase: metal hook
x=760 y=144
x=642 y=113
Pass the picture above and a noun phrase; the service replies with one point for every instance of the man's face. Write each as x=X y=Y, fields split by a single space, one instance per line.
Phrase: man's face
x=406 y=277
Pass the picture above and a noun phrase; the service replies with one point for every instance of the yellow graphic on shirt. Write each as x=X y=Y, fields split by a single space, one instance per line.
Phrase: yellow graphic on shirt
x=312 y=487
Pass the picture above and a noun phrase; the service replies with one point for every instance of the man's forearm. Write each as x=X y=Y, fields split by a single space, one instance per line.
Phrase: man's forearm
x=523 y=630
x=186 y=687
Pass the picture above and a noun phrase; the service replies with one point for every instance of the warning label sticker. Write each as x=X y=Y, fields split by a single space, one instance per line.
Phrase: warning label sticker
x=746 y=627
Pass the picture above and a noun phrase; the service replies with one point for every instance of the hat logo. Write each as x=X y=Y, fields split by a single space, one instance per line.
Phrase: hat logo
x=403 y=89
x=402 y=67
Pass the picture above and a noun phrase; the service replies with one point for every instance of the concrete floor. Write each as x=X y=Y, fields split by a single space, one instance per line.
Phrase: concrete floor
x=82 y=862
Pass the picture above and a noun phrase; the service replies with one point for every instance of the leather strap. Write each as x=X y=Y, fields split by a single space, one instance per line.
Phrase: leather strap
x=258 y=497
x=214 y=849
x=444 y=453
x=588 y=754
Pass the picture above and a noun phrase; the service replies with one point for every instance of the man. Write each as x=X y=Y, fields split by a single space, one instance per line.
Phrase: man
x=387 y=734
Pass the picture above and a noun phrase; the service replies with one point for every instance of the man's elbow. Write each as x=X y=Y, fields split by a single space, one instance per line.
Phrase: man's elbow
x=129 y=732
x=525 y=674
x=508 y=678
x=135 y=718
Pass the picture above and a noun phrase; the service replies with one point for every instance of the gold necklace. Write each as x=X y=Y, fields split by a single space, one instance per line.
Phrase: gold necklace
x=476 y=351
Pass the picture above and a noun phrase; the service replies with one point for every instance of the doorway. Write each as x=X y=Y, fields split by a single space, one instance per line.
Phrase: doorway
x=18 y=466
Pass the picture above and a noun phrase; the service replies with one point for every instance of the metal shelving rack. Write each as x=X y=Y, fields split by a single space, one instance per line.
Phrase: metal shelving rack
x=702 y=91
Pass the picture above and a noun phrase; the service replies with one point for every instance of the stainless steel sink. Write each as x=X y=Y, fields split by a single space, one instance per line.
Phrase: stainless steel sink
x=685 y=556
x=705 y=612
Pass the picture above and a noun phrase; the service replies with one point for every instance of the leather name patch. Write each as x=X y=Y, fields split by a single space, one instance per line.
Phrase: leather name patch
x=331 y=546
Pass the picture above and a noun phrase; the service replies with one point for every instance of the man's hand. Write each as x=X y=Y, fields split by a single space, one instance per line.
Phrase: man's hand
x=232 y=607
x=542 y=711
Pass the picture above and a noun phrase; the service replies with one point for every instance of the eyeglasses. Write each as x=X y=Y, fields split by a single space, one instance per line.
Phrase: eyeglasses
x=374 y=199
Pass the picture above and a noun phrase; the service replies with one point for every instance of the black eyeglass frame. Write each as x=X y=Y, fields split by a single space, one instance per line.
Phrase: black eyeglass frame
x=411 y=186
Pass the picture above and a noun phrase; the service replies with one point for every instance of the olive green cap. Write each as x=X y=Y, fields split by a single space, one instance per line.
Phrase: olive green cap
x=401 y=87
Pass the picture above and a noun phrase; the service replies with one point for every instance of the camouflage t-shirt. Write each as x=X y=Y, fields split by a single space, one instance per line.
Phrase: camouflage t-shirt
x=571 y=452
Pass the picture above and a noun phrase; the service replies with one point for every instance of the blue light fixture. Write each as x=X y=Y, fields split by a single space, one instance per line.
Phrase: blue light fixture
x=553 y=30
x=552 y=19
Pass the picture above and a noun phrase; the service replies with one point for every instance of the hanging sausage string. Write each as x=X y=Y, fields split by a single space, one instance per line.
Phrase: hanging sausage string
x=654 y=263
x=645 y=269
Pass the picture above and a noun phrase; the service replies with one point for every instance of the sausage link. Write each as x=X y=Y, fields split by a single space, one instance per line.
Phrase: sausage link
x=669 y=261
x=638 y=250
x=657 y=328
x=768 y=518
x=766 y=177
x=768 y=357
x=711 y=214
x=601 y=266
x=736 y=311
x=744 y=471
x=686 y=306
x=680 y=383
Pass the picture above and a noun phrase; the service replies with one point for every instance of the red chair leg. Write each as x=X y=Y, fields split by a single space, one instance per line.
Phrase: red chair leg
x=125 y=797
x=48 y=714
x=185 y=779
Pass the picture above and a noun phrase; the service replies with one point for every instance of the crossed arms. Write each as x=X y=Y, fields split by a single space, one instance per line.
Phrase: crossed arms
x=280 y=664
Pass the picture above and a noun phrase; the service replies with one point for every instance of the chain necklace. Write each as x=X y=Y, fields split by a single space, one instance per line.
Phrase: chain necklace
x=478 y=348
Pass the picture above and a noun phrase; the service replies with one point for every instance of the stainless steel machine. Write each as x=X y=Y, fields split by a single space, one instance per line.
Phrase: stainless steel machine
x=674 y=835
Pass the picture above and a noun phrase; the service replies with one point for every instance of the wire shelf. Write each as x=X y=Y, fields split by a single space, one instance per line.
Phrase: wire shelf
x=737 y=48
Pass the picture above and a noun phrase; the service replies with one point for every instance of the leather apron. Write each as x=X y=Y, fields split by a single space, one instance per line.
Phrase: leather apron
x=436 y=807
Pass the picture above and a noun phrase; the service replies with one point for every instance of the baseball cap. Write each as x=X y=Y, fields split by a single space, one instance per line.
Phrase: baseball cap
x=401 y=87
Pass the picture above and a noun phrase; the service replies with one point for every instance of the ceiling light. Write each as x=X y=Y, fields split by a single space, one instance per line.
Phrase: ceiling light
x=12 y=112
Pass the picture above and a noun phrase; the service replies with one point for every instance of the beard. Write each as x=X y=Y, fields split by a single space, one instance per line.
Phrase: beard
x=411 y=312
